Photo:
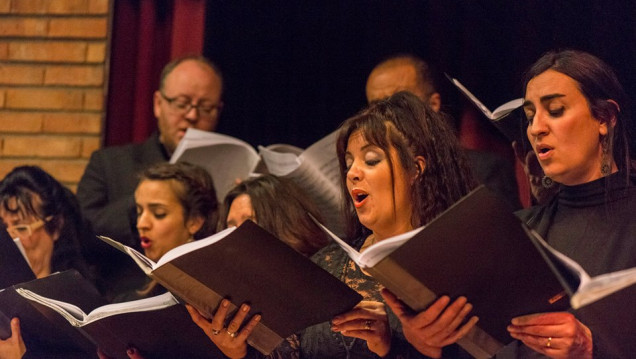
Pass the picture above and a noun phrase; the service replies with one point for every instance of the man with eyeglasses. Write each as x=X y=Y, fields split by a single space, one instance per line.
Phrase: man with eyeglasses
x=189 y=95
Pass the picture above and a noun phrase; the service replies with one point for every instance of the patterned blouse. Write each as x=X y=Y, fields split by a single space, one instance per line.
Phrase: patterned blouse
x=320 y=342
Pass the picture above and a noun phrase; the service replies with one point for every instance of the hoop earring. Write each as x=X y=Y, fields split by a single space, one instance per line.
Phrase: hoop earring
x=547 y=182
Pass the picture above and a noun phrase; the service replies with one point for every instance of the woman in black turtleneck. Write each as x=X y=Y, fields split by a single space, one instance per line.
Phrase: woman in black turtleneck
x=578 y=126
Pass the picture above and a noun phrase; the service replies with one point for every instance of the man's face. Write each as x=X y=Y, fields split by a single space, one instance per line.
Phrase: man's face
x=193 y=83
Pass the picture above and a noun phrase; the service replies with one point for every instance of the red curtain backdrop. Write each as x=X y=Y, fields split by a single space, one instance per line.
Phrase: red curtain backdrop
x=146 y=35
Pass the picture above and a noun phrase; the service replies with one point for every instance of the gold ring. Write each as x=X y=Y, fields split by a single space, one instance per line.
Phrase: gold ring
x=233 y=335
x=215 y=332
x=549 y=343
x=367 y=324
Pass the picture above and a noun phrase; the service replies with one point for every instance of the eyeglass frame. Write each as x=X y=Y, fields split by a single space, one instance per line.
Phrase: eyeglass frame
x=30 y=227
x=189 y=106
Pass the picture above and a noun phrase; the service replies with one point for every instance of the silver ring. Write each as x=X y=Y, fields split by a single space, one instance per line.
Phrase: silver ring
x=367 y=324
x=233 y=335
x=216 y=332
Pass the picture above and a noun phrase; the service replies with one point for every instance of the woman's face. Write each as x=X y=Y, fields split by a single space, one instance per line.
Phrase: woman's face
x=561 y=129
x=240 y=211
x=382 y=205
x=39 y=239
x=160 y=218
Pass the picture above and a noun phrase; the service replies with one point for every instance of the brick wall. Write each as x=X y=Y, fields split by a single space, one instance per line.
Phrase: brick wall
x=53 y=71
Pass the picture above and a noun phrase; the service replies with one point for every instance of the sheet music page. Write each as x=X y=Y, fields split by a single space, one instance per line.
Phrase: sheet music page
x=226 y=158
x=472 y=98
x=78 y=318
x=506 y=108
x=193 y=246
x=145 y=263
x=351 y=252
x=378 y=251
x=279 y=163
x=316 y=172
x=498 y=113
x=603 y=285
x=595 y=288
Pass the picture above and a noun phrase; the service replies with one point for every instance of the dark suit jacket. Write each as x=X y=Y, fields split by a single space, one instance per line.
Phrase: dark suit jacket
x=107 y=187
x=106 y=194
x=497 y=174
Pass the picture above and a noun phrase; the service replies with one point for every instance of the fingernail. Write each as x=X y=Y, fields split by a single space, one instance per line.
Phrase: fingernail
x=335 y=328
x=225 y=303
x=131 y=351
x=257 y=318
x=245 y=307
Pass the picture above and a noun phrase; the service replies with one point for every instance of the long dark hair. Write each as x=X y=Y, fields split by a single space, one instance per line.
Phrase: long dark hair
x=281 y=208
x=598 y=83
x=57 y=207
x=194 y=189
x=412 y=128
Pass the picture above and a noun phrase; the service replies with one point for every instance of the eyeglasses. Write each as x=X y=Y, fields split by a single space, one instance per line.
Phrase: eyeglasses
x=183 y=104
x=26 y=230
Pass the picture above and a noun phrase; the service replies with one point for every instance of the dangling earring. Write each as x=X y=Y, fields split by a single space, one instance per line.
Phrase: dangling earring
x=547 y=182
x=606 y=167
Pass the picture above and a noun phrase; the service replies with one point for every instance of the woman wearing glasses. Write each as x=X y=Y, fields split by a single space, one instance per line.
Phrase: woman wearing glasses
x=45 y=217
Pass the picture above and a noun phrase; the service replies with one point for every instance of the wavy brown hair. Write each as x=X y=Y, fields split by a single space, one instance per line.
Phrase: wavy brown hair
x=408 y=125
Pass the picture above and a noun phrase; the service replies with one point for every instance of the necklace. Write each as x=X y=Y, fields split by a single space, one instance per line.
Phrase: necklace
x=347 y=346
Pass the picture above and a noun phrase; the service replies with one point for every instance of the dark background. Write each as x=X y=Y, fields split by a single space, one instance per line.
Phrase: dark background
x=294 y=70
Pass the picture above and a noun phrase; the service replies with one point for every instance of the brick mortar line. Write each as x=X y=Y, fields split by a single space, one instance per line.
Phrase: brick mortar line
x=6 y=86
x=50 y=63
x=15 y=15
x=99 y=39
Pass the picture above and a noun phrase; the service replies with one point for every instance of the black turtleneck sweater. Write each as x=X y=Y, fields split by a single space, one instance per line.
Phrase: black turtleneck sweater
x=595 y=224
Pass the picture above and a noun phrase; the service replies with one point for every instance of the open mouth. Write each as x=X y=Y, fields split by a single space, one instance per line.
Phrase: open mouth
x=358 y=197
x=543 y=151
x=145 y=242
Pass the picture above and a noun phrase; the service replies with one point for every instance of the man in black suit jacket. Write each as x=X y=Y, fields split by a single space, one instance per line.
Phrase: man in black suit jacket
x=189 y=95
x=410 y=73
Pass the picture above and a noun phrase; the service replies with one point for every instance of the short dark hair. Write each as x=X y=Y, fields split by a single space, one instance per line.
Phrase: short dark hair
x=194 y=190
x=598 y=83
x=281 y=208
x=412 y=128
x=167 y=70
x=57 y=203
